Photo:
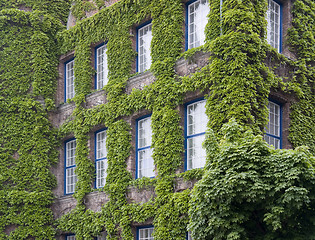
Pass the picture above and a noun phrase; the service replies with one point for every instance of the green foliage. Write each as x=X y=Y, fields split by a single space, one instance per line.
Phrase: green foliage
x=236 y=84
x=28 y=141
x=57 y=8
x=302 y=40
x=251 y=191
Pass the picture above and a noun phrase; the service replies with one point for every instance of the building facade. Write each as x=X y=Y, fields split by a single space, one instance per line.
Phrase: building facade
x=140 y=82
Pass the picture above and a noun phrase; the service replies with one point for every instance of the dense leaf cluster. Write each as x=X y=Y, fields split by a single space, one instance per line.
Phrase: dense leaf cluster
x=29 y=58
x=236 y=83
x=250 y=191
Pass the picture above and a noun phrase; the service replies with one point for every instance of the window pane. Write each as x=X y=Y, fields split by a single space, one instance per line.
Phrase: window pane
x=144 y=46
x=146 y=234
x=196 y=154
x=101 y=67
x=71 y=237
x=144 y=132
x=145 y=163
x=197 y=21
x=196 y=118
x=70 y=153
x=101 y=145
x=273 y=28
x=70 y=80
x=273 y=129
x=101 y=168
x=71 y=180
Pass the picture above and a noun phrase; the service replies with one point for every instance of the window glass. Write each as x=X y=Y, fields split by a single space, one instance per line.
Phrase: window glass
x=144 y=47
x=146 y=233
x=273 y=24
x=101 y=67
x=70 y=80
x=71 y=177
x=273 y=131
x=196 y=125
x=101 y=159
x=145 y=163
x=197 y=21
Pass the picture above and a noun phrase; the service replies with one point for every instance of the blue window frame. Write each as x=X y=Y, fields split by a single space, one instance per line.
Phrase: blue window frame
x=274 y=24
x=101 y=77
x=69 y=80
x=70 y=237
x=196 y=21
x=70 y=166
x=144 y=37
x=195 y=127
x=100 y=158
x=144 y=160
x=145 y=233
x=273 y=129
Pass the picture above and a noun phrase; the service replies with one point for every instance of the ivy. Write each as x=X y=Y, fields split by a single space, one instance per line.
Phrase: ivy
x=251 y=191
x=236 y=83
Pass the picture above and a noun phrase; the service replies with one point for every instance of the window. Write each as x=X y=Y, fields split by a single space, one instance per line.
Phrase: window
x=145 y=233
x=70 y=237
x=273 y=129
x=144 y=48
x=70 y=176
x=100 y=158
x=69 y=80
x=274 y=24
x=144 y=163
x=197 y=12
x=196 y=123
x=101 y=67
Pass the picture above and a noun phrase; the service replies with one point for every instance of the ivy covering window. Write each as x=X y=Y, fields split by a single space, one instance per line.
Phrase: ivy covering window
x=273 y=129
x=144 y=47
x=101 y=67
x=69 y=80
x=274 y=24
x=196 y=123
x=71 y=237
x=100 y=158
x=144 y=164
x=145 y=233
x=70 y=176
x=197 y=12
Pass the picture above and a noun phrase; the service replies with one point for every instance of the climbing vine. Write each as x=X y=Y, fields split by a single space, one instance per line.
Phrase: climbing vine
x=236 y=83
x=29 y=57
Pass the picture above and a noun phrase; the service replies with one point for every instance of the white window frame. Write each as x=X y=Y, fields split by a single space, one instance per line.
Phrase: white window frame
x=144 y=47
x=274 y=128
x=196 y=124
x=100 y=158
x=69 y=80
x=101 y=66
x=145 y=233
x=145 y=163
x=196 y=23
x=274 y=24
x=70 y=166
